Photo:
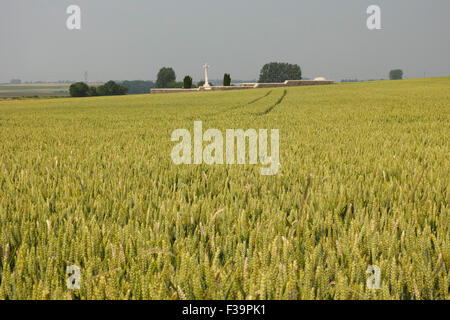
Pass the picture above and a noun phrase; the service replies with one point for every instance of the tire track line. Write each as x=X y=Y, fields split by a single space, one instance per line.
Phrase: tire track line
x=239 y=106
x=268 y=110
x=244 y=105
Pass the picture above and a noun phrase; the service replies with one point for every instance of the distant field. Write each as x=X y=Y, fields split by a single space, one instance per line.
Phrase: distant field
x=364 y=180
x=28 y=90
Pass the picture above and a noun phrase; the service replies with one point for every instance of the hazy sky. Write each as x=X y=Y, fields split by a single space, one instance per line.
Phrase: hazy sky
x=132 y=39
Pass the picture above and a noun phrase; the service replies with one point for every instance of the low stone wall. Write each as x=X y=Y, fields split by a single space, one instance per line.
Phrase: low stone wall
x=222 y=88
x=288 y=83
x=292 y=83
x=153 y=91
x=270 y=85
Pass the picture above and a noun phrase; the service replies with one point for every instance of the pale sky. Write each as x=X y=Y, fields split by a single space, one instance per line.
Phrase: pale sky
x=133 y=39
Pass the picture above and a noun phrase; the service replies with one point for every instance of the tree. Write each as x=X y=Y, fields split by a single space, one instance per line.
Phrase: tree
x=111 y=88
x=187 y=82
x=165 y=76
x=138 y=86
x=79 y=89
x=175 y=85
x=92 y=91
x=280 y=72
x=396 y=74
x=226 y=80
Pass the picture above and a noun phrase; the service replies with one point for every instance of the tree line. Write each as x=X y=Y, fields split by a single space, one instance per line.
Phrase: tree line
x=111 y=88
x=81 y=89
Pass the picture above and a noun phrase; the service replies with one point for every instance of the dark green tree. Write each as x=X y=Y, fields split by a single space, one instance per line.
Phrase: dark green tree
x=187 y=82
x=165 y=77
x=138 y=86
x=92 y=92
x=280 y=72
x=175 y=85
x=396 y=74
x=111 y=88
x=79 y=89
x=226 y=80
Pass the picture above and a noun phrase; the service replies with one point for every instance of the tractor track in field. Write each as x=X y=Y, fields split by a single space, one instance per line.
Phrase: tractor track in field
x=240 y=106
x=268 y=110
x=257 y=99
x=244 y=105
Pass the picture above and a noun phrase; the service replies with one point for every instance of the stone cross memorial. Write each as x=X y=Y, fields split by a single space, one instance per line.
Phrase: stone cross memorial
x=206 y=85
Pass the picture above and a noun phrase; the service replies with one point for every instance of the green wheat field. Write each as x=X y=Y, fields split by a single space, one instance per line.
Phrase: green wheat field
x=364 y=180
